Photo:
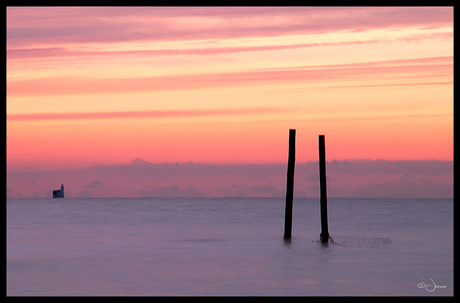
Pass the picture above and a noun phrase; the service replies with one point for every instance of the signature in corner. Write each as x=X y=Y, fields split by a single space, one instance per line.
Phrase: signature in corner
x=430 y=287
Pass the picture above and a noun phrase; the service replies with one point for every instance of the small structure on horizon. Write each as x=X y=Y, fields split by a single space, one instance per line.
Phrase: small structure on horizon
x=59 y=193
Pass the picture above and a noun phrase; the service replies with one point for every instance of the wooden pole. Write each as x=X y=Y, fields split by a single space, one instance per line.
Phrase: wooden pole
x=289 y=186
x=324 y=236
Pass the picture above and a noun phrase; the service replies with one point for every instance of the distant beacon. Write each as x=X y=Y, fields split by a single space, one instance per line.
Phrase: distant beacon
x=59 y=193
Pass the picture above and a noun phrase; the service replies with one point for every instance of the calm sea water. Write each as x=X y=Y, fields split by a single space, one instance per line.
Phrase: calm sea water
x=228 y=246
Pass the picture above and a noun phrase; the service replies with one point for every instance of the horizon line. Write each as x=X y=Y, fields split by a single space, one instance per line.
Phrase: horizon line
x=231 y=197
x=140 y=162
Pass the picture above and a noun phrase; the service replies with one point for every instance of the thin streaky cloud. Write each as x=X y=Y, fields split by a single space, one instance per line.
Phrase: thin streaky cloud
x=398 y=70
x=371 y=64
x=147 y=114
x=380 y=85
x=347 y=118
x=54 y=52
x=57 y=25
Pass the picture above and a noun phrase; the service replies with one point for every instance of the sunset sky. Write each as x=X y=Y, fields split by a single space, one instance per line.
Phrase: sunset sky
x=116 y=86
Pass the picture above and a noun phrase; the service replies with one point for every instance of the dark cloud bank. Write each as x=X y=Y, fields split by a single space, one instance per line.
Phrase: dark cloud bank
x=353 y=178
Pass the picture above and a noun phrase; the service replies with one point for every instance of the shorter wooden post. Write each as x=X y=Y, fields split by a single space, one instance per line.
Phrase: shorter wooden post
x=289 y=186
x=324 y=236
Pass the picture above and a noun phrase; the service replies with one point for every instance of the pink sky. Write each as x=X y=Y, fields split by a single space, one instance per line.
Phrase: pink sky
x=105 y=85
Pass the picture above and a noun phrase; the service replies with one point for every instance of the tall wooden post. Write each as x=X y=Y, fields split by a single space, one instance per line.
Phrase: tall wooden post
x=289 y=186
x=324 y=236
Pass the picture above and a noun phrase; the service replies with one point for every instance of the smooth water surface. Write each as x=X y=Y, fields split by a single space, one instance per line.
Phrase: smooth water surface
x=228 y=246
